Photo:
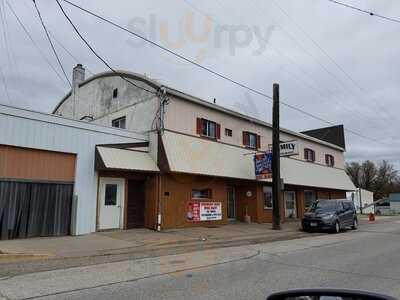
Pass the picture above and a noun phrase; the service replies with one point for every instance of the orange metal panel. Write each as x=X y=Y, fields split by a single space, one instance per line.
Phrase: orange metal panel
x=34 y=164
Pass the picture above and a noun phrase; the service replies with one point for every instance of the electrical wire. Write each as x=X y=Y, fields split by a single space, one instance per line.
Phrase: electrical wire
x=51 y=43
x=69 y=52
x=317 y=45
x=260 y=93
x=96 y=54
x=373 y=14
x=381 y=109
x=34 y=43
x=61 y=44
x=288 y=71
x=3 y=79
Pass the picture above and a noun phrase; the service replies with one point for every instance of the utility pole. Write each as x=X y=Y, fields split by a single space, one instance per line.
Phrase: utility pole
x=276 y=176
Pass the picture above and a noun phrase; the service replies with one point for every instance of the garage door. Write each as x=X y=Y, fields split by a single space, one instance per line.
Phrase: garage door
x=36 y=190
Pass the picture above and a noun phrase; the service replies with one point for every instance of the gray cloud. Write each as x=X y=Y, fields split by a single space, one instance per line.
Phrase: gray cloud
x=364 y=46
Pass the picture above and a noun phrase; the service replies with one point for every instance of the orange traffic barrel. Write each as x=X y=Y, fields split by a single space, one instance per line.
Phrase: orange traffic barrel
x=371 y=217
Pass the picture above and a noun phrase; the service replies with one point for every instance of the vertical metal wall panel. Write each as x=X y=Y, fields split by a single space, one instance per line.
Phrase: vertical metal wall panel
x=34 y=209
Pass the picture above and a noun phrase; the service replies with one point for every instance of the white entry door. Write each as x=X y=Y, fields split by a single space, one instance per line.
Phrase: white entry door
x=111 y=202
x=290 y=205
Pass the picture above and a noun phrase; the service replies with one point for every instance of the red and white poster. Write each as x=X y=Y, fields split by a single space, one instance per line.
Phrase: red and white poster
x=193 y=211
x=204 y=211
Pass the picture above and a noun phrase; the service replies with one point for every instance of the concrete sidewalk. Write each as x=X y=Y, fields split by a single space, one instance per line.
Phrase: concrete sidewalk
x=142 y=240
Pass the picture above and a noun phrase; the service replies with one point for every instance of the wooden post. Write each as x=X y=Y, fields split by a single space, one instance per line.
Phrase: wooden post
x=276 y=176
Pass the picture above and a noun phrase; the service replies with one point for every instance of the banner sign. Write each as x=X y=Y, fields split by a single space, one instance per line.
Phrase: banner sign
x=210 y=211
x=263 y=165
x=204 y=211
x=289 y=148
x=193 y=211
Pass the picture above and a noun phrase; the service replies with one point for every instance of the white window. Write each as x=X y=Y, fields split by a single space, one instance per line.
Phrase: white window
x=268 y=201
x=119 y=123
x=228 y=132
x=251 y=140
x=329 y=160
x=209 y=129
x=201 y=194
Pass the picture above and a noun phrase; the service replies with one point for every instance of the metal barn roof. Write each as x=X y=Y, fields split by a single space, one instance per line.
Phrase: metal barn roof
x=188 y=154
x=124 y=159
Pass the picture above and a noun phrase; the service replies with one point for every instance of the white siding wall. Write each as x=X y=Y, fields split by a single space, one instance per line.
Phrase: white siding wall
x=181 y=117
x=95 y=98
x=139 y=117
x=29 y=129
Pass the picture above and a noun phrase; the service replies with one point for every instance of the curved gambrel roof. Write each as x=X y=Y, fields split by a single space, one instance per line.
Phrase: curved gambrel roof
x=118 y=73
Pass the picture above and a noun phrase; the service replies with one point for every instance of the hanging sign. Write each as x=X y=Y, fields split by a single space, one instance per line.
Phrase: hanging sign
x=288 y=148
x=263 y=165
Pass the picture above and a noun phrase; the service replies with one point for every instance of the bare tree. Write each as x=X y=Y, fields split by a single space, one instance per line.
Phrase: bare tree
x=353 y=169
x=386 y=179
x=381 y=179
x=368 y=175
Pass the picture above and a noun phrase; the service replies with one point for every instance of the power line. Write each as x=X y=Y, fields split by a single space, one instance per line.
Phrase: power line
x=51 y=44
x=3 y=79
x=62 y=45
x=95 y=53
x=205 y=14
x=382 y=111
x=373 y=14
x=317 y=45
x=33 y=41
x=69 y=52
x=209 y=69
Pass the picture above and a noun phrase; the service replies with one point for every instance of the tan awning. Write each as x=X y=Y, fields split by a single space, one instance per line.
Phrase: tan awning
x=124 y=159
x=194 y=155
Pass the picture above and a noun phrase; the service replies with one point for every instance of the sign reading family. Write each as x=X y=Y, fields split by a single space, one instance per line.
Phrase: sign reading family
x=263 y=165
x=289 y=148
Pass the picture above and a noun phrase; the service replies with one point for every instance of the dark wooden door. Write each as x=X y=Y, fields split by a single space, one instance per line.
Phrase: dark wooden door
x=136 y=204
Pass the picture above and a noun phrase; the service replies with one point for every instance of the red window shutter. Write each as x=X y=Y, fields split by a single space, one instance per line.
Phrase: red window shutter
x=218 y=130
x=258 y=142
x=199 y=126
x=245 y=138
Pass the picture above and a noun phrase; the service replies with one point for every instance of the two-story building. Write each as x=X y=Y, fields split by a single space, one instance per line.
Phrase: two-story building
x=204 y=153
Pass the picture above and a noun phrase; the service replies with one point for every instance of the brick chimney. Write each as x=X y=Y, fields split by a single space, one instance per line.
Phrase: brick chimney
x=78 y=75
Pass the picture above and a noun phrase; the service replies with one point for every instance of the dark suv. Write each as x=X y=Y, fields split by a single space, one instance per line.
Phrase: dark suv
x=330 y=215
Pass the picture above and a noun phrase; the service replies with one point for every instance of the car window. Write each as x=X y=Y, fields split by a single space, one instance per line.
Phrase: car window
x=324 y=206
x=347 y=205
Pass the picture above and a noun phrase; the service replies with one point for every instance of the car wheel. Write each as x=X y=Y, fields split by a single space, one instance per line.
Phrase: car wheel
x=355 y=224
x=336 y=228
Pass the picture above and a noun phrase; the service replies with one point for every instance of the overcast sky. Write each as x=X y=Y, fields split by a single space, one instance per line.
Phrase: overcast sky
x=329 y=60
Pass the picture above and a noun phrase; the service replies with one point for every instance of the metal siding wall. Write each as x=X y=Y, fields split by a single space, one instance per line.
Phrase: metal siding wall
x=52 y=133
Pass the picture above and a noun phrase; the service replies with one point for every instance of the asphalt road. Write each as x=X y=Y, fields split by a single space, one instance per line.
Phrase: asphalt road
x=367 y=259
